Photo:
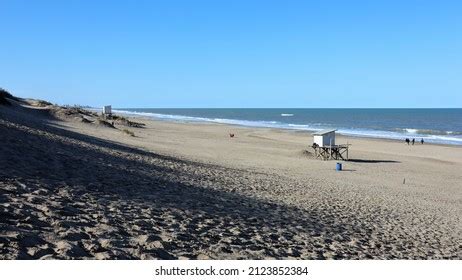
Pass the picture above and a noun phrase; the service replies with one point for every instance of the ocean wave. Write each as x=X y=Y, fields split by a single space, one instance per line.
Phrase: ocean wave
x=432 y=136
x=202 y=119
x=416 y=131
x=441 y=139
x=287 y=115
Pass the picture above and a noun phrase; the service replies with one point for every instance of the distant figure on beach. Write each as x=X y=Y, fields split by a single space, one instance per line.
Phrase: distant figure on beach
x=231 y=135
x=421 y=141
x=407 y=140
x=413 y=141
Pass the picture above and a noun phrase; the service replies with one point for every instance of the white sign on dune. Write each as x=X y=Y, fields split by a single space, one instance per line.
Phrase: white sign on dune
x=107 y=110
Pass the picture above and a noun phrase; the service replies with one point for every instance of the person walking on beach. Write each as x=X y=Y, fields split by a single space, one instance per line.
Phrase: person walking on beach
x=421 y=141
x=413 y=141
x=407 y=141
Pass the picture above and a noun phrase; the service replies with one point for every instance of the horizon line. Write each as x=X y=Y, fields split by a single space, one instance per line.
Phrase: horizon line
x=283 y=107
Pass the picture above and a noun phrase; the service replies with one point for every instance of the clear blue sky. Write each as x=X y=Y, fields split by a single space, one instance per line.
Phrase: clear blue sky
x=234 y=53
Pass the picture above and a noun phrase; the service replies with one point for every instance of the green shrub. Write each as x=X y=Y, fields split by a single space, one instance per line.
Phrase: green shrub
x=105 y=123
x=3 y=97
x=131 y=133
x=43 y=103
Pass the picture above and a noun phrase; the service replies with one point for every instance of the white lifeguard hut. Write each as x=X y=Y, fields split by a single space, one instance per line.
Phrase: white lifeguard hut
x=325 y=147
x=324 y=138
x=107 y=110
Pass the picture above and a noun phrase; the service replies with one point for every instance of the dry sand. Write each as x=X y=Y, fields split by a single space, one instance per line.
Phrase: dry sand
x=74 y=189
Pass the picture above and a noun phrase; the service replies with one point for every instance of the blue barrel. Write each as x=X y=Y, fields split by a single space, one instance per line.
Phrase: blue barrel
x=339 y=166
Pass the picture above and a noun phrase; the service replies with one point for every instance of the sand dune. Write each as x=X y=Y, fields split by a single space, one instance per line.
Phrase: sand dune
x=75 y=190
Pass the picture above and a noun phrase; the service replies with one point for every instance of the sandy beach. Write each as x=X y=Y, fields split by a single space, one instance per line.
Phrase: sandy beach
x=75 y=188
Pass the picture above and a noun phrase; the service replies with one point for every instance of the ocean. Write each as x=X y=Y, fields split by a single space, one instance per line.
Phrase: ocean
x=442 y=126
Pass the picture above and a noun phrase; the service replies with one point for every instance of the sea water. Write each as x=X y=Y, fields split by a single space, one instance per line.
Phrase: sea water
x=433 y=125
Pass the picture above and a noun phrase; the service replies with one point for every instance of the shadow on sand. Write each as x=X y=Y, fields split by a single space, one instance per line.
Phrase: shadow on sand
x=371 y=161
x=200 y=207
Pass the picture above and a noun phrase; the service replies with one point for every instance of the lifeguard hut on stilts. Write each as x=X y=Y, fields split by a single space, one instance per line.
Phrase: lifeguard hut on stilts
x=325 y=148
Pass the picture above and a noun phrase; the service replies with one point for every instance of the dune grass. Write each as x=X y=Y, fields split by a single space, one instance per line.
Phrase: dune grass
x=3 y=97
x=131 y=133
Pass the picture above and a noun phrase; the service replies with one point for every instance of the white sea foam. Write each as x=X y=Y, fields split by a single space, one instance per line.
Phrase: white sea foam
x=411 y=130
x=398 y=134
